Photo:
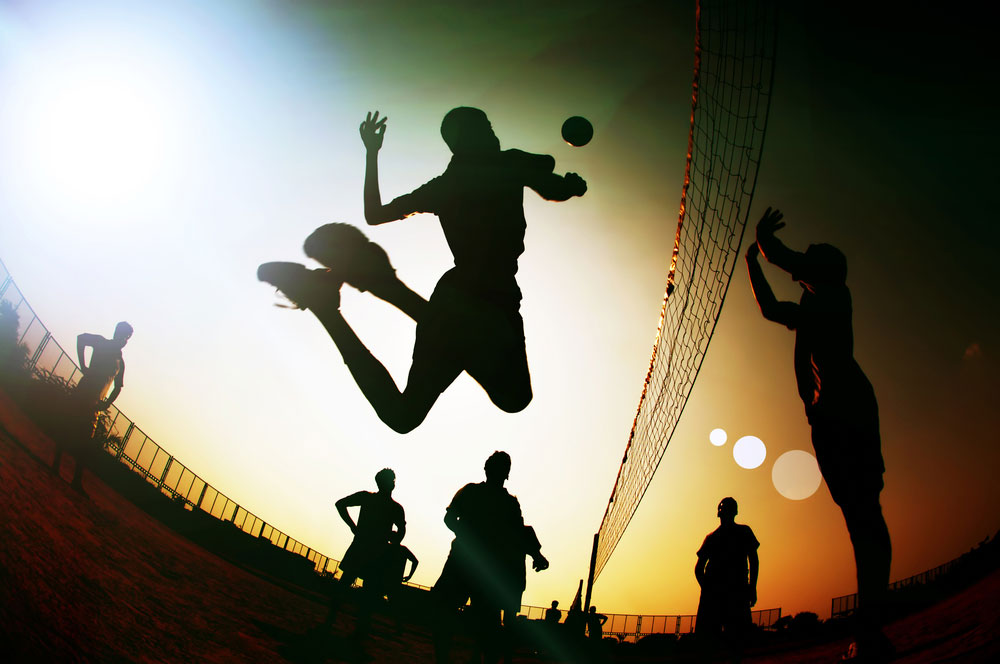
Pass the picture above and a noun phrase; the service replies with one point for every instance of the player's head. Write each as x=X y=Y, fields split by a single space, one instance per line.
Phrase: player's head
x=824 y=265
x=123 y=332
x=385 y=479
x=727 y=508
x=498 y=466
x=467 y=130
x=555 y=604
x=395 y=537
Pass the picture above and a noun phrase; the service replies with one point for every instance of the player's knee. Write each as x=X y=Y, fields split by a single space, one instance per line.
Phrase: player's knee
x=513 y=402
x=403 y=421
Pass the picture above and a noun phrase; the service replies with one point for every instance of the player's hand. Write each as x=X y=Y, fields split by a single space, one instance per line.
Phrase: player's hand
x=539 y=563
x=577 y=185
x=372 y=131
x=769 y=224
x=753 y=596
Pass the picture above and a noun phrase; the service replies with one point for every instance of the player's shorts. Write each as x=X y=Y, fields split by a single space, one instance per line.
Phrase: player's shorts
x=845 y=436
x=481 y=333
x=365 y=558
x=724 y=609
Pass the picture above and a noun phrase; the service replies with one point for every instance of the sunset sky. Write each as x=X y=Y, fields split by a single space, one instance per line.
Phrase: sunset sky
x=152 y=155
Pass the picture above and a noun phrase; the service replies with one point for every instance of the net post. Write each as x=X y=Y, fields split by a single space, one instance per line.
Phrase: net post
x=590 y=574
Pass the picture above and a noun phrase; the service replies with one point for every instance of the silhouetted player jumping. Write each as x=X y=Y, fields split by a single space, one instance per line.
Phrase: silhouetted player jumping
x=472 y=321
x=91 y=396
x=840 y=405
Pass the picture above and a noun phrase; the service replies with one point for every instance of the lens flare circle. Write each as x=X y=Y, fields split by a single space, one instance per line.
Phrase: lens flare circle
x=718 y=437
x=749 y=452
x=796 y=475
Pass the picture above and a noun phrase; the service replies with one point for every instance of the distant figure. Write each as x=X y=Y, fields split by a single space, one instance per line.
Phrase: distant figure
x=727 y=573
x=106 y=366
x=472 y=321
x=366 y=556
x=595 y=625
x=486 y=561
x=552 y=614
x=840 y=406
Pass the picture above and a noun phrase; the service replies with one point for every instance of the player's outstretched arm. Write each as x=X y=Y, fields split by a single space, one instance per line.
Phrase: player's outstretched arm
x=785 y=313
x=554 y=187
x=774 y=250
x=372 y=132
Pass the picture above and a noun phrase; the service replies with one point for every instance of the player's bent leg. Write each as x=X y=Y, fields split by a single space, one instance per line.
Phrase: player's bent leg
x=358 y=261
x=498 y=361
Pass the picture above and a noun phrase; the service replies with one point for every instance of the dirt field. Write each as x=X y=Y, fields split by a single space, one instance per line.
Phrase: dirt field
x=94 y=578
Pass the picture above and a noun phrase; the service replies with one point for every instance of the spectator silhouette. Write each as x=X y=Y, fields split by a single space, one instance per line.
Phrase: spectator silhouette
x=727 y=573
x=552 y=614
x=486 y=560
x=595 y=625
x=367 y=555
x=472 y=321
x=106 y=367
x=840 y=406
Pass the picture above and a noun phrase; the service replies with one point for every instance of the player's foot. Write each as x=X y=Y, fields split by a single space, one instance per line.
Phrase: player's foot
x=346 y=251
x=304 y=288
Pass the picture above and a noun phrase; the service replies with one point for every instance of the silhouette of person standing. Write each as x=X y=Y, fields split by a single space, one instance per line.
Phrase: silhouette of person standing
x=595 y=625
x=472 y=321
x=840 y=405
x=367 y=555
x=727 y=573
x=106 y=366
x=486 y=560
x=552 y=614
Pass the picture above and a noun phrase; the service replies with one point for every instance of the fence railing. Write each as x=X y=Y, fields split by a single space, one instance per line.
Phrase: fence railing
x=632 y=627
x=845 y=605
x=133 y=448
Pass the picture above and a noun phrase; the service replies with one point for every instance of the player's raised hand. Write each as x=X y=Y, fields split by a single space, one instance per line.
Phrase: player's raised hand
x=577 y=185
x=769 y=224
x=372 y=131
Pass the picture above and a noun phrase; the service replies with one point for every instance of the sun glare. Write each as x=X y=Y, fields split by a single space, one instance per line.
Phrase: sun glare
x=718 y=437
x=93 y=123
x=749 y=452
x=796 y=475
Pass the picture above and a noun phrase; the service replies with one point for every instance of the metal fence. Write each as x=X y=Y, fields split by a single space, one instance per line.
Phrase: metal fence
x=632 y=627
x=845 y=605
x=133 y=448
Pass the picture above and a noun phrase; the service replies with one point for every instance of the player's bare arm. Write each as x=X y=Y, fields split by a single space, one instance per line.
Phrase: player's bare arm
x=785 y=313
x=372 y=132
x=353 y=500
x=82 y=342
x=554 y=187
x=773 y=249
x=754 y=564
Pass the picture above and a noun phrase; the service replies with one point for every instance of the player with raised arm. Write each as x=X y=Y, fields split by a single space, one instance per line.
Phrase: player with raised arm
x=472 y=321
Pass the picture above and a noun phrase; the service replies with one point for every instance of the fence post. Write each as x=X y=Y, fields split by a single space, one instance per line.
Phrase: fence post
x=166 y=469
x=677 y=626
x=3 y=286
x=121 y=448
x=204 y=488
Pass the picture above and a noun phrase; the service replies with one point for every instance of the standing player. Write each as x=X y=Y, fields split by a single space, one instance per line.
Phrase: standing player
x=106 y=366
x=840 y=406
x=366 y=556
x=472 y=321
x=727 y=573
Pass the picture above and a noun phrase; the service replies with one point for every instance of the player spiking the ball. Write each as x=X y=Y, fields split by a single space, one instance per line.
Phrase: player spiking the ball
x=472 y=321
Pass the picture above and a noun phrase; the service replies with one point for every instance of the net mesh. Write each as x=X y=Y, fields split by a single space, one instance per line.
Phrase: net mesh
x=731 y=91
